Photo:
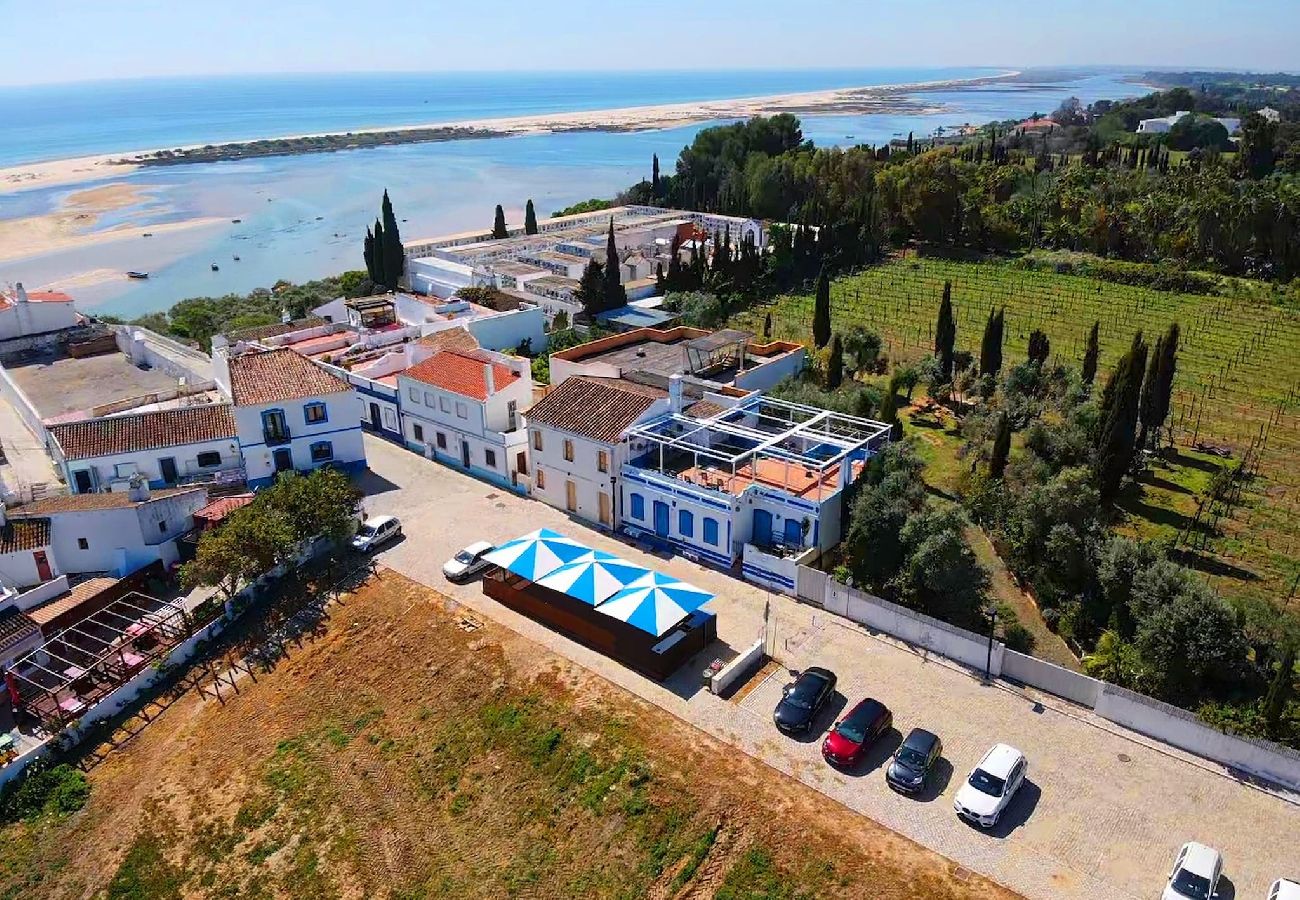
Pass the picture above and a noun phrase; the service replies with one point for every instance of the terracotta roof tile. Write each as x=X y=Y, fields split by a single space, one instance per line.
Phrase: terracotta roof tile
x=462 y=373
x=220 y=508
x=16 y=626
x=272 y=375
x=598 y=408
x=145 y=431
x=17 y=535
x=85 y=502
x=262 y=332
x=450 y=339
x=76 y=596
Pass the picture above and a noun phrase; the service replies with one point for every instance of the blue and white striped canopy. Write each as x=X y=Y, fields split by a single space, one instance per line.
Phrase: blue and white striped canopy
x=593 y=576
x=654 y=603
x=537 y=554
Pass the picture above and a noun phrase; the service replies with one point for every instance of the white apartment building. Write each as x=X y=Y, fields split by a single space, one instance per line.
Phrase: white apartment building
x=465 y=408
x=577 y=446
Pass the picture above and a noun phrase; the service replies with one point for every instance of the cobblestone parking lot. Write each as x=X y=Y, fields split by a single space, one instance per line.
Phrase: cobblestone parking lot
x=1103 y=811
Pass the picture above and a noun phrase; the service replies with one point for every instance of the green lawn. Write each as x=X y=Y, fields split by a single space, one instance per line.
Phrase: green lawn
x=1237 y=384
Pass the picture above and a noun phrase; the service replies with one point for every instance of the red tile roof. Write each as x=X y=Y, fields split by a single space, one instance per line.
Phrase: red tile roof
x=145 y=431
x=9 y=298
x=462 y=373
x=18 y=535
x=15 y=627
x=598 y=408
x=457 y=338
x=273 y=375
x=222 y=507
x=75 y=597
x=87 y=502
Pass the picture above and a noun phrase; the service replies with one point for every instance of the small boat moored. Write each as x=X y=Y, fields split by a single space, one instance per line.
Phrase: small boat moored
x=137 y=274
x=215 y=267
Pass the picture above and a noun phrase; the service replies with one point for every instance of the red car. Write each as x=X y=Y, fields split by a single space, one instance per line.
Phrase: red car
x=854 y=734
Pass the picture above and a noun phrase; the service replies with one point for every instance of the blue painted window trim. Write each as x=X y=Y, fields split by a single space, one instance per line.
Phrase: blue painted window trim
x=269 y=415
x=638 y=507
x=686 y=522
x=329 y=451
x=711 y=531
x=310 y=407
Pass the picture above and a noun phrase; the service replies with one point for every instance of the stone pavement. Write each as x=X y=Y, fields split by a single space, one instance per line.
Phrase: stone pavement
x=1103 y=812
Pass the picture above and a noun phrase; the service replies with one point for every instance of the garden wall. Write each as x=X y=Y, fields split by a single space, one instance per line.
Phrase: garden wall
x=738 y=668
x=1062 y=682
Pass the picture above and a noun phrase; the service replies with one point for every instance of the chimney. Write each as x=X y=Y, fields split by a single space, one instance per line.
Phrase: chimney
x=22 y=292
x=138 y=492
x=489 y=378
x=675 y=392
x=4 y=514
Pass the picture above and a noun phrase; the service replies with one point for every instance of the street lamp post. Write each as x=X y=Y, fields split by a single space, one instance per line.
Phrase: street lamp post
x=990 y=613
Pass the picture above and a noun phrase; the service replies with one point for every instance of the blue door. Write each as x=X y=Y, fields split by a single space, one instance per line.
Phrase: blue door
x=661 y=519
x=762 y=528
x=793 y=532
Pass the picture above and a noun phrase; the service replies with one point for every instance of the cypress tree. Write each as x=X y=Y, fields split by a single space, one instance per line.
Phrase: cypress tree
x=368 y=251
x=674 y=279
x=767 y=327
x=1089 y=371
x=499 y=224
x=889 y=403
x=1165 y=385
x=655 y=186
x=910 y=146
x=661 y=283
x=1001 y=447
x=1147 y=402
x=1039 y=347
x=1280 y=690
x=1117 y=423
x=835 y=364
x=394 y=252
x=991 y=345
x=530 y=218
x=615 y=293
x=591 y=289
x=945 y=332
x=381 y=272
x=821 y=324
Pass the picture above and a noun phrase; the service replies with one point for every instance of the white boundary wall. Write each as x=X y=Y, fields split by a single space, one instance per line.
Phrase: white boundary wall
x=732 y=671
x=1145 y=715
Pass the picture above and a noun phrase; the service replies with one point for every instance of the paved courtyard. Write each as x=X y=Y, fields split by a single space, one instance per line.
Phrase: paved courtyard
x=1102 y=814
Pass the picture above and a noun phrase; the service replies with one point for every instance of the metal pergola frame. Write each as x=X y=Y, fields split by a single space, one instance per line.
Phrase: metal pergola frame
x=849 y=434
x=97 y=646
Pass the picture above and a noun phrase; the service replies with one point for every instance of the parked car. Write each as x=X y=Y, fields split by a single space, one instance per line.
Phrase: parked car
x=913 y=760
x=1195 y=875
x=803 y=699
x=991 y=786
x=468 y=562
x=854 y=734
x=376 y=532
x=1284 y=889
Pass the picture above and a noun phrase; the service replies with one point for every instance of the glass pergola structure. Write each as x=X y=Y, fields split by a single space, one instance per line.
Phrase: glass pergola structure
x=762 y=440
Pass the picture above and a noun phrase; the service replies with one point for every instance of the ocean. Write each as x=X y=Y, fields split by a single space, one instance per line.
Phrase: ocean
x=303 y=216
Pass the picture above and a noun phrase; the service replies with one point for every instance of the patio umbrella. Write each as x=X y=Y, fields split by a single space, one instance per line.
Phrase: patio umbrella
x=537 y=553
x=655 y=602
x=593 y=577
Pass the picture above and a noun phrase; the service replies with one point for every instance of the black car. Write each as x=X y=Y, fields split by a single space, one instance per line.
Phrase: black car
x=802 y=699
x=913 y=760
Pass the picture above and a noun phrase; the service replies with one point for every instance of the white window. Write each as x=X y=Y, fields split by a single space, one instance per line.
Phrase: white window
x=461 y=411
x=414 y=394
x=429 y=401
x=444 y=404
x=125 y=470
x=537 y=441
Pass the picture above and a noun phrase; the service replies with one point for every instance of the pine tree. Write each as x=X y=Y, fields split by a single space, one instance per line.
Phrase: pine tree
x=991 y=346
x=394 y=252
x=368 y=252
x=615 y=293
x=821 y=324
x=499 y=224
x=381 y=272
x=655 y=185
x=945 y=332
x=591 y=289
x=1089 y=371
x=530 y=218
x=1039 y=347
x=1118 y=418
x=835 y=364
x=1001 y=447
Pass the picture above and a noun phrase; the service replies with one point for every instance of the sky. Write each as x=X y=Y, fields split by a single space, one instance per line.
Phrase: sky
x=48 y=41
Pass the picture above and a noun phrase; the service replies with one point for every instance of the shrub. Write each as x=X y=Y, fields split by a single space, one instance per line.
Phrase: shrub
x=44 y=789
x=1019 y=638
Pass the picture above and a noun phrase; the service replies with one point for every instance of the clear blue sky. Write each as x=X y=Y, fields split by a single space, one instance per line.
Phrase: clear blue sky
x=73 y=40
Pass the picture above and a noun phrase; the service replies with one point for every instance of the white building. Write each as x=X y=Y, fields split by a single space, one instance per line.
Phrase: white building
x=577 y=443
x=1162 y=124
x=166 y=446
x=290 y=414
x=24 y=313
x=1270 y=114
x=465 y=408
x=116 y=532
x=25 y=555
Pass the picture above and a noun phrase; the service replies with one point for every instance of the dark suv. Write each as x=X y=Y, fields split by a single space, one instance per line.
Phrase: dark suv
x=802 y=699
x=913 y=760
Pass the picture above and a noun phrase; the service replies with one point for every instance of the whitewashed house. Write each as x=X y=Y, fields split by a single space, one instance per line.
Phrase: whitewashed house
x=577 y=443
x=23 y=314
x=117 y=532
x=290 y=414
x=465 y=408
x=166 y=446
x=25 y=555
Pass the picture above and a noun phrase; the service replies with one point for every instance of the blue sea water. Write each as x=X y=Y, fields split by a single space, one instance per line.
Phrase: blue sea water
x=303 y=216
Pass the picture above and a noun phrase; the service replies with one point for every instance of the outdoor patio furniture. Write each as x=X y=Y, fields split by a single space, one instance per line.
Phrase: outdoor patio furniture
x=72 y=705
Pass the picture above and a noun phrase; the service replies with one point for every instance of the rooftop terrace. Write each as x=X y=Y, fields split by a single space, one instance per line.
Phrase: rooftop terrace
x=59 y=385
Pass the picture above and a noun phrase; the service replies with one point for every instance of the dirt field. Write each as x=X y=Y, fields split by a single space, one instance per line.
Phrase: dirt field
x=400 y=753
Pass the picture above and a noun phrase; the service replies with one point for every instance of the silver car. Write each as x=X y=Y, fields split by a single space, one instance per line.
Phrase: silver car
x=376 y=532
x=468 y=562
